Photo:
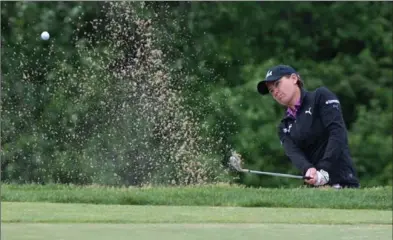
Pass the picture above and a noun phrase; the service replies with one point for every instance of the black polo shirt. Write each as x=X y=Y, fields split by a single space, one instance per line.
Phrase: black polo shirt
x=317 y=137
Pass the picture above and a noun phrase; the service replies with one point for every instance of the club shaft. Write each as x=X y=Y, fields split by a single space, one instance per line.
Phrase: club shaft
x=273 y=174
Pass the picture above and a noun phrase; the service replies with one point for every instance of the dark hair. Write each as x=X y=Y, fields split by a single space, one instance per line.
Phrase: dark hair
x=299 y=80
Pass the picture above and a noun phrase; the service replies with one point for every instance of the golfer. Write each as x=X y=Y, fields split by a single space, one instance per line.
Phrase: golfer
x=312 y=131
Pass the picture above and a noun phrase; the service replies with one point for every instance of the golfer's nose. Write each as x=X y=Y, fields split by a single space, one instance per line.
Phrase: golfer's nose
x=275 y=92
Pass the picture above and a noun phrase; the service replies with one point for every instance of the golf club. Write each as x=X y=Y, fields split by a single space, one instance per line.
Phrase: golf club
x=235 y=162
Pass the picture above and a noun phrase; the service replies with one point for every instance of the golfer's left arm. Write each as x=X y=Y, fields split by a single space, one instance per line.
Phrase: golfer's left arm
x=332 y=120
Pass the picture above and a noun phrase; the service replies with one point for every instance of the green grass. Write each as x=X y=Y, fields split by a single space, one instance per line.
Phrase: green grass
x=193 y=232
x=194 y=213
x=216 y=195
x=93 y=213
x=48 y=221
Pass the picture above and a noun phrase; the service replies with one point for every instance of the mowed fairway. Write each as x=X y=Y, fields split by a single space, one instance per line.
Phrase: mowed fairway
x=192 y=231
x=49 y=221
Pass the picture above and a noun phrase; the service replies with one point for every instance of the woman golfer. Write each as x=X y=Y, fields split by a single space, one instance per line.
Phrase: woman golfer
x=312 y=132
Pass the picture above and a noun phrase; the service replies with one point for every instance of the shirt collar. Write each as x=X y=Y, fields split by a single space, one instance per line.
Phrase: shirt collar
x=293 y=112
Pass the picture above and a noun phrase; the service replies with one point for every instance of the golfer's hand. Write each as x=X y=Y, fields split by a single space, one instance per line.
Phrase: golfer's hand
x=318 y=178
x=312 y=173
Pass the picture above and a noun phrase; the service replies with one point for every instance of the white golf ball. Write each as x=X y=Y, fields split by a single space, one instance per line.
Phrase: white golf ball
x=45 y=35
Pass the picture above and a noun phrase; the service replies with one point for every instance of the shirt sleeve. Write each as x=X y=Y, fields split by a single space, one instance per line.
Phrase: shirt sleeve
x=293 y=152
x=332 y=120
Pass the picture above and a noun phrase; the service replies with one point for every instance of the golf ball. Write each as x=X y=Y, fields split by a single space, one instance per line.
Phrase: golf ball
x=45 y=35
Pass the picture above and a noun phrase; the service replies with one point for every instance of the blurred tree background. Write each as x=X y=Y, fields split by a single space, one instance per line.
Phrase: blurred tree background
x=67 y=116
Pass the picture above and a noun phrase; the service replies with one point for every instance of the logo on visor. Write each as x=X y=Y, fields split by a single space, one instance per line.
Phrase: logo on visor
x=269 y=73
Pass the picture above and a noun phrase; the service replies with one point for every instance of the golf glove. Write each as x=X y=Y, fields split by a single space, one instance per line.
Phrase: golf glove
x=322 y=178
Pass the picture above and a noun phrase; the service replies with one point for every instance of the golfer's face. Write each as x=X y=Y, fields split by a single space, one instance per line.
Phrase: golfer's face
x=283 y=89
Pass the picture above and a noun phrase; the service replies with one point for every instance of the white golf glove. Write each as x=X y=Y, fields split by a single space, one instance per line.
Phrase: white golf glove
x=322 y=178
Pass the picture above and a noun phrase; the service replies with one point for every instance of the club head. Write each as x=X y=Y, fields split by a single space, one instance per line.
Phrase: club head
x=235 y=162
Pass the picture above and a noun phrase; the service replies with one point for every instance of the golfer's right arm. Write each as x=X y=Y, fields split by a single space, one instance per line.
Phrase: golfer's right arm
x=294 y=153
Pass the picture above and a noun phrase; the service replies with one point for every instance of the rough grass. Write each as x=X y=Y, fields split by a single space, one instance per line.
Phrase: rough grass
x=213 y=195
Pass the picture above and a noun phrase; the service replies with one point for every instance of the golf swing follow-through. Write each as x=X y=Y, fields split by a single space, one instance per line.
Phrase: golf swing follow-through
x=312 y=132
x=235 y=162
